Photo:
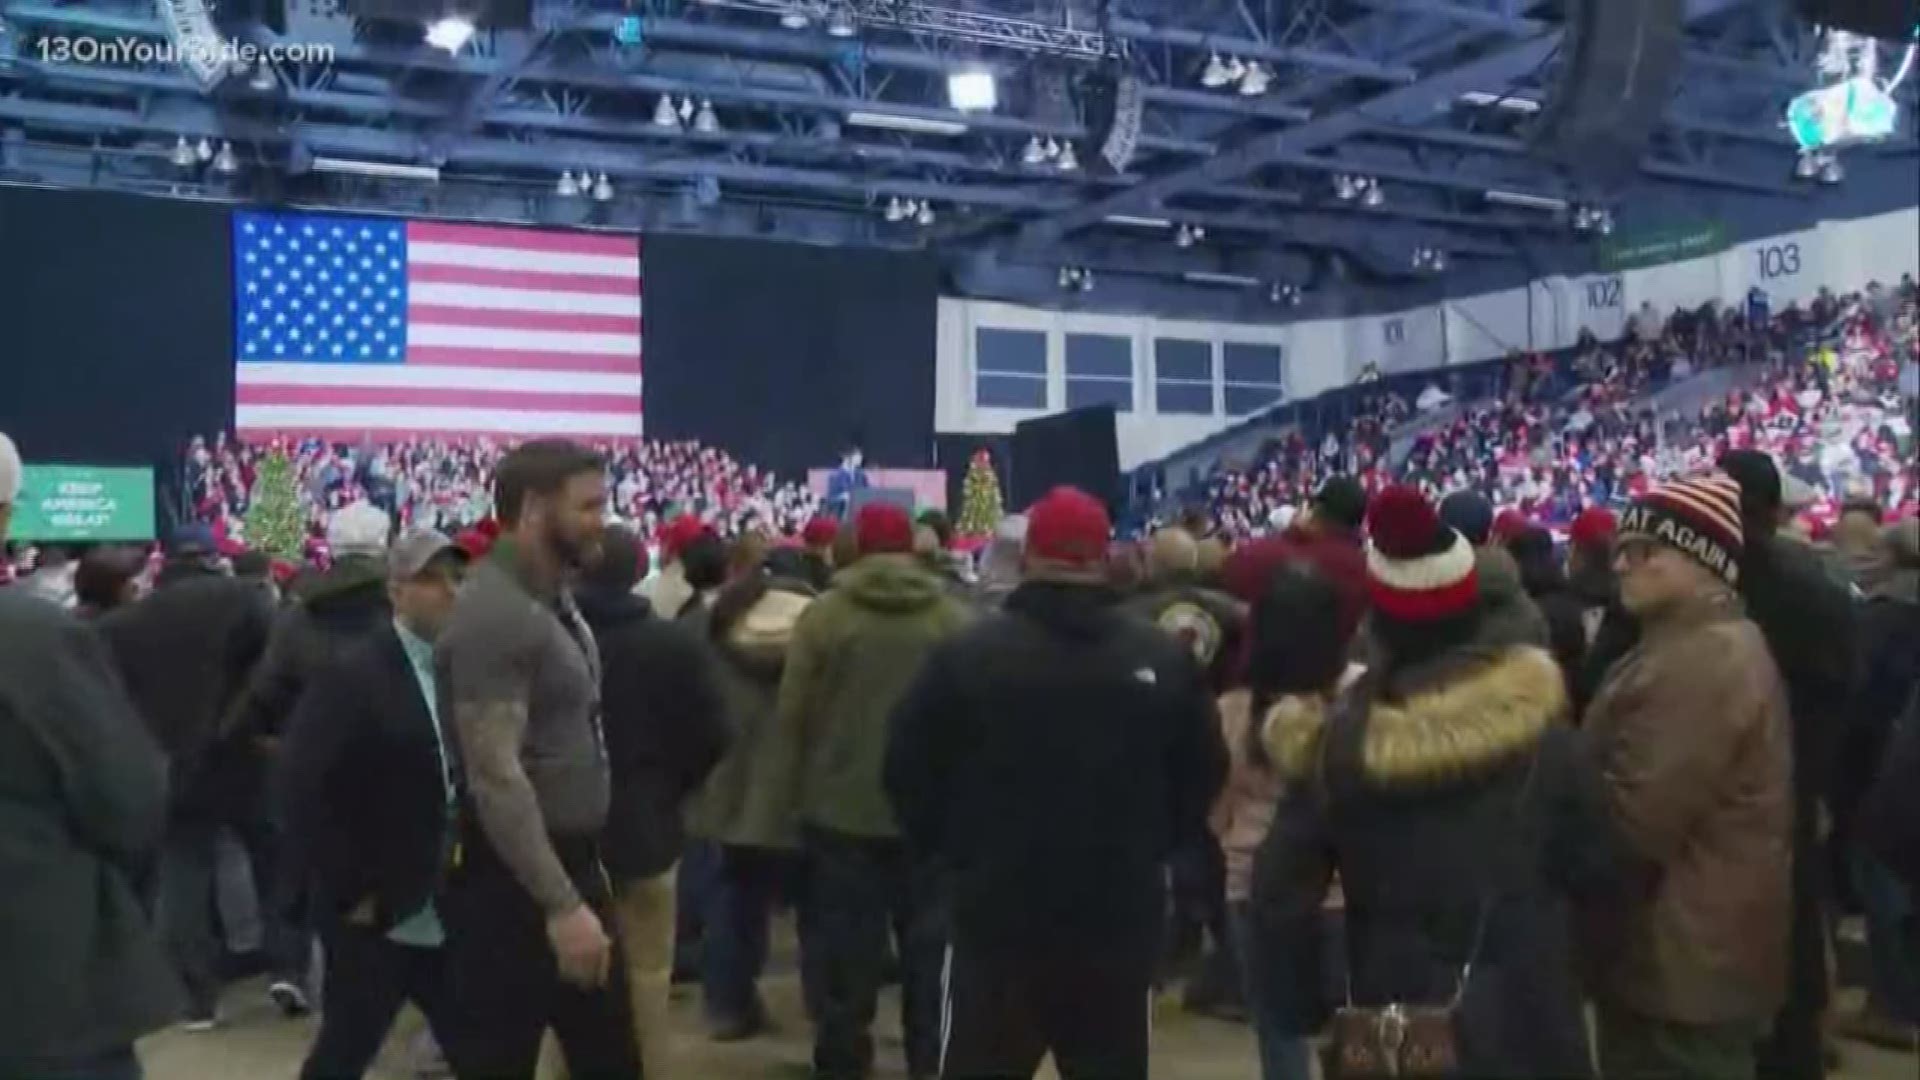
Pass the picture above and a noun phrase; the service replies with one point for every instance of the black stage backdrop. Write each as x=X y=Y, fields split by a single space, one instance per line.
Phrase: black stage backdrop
x=784 y=353
x=118 y=317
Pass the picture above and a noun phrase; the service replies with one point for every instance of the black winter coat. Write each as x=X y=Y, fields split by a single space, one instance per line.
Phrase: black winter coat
x=1448 y=785
x=1052 y=755
x=666 y=728
x=339 y=610
x=185 y=653
x=361 y=789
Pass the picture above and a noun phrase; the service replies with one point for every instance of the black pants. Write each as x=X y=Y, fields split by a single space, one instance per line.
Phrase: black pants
x=367 y=979
x=508 y=985
x=858 y=889
x=1006 y=1006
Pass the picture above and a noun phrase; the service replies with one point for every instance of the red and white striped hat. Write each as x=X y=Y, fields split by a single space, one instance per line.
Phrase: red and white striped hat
x=1699 y=517
x=1418 y=568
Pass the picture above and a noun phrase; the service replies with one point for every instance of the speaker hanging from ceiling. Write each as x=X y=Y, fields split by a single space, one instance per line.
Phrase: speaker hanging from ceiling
x=1114 y=101
x=1620 y=61
x=1894 y=20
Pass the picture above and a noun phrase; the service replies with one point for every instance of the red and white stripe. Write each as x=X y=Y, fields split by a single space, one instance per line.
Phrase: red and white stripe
x=510 y=332
x=1431 y=587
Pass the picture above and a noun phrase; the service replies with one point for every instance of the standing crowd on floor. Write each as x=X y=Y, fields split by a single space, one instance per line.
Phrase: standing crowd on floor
x=1446 y=799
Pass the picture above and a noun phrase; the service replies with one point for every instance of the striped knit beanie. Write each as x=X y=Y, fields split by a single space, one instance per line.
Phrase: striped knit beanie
x=1419 y=569
x=1698 y=517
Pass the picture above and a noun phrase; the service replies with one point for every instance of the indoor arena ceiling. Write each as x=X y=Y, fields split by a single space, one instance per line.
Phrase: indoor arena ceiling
x=1280 y=139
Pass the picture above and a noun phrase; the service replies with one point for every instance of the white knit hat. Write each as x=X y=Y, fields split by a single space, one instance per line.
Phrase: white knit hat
x=359 y=529
x=10 y=470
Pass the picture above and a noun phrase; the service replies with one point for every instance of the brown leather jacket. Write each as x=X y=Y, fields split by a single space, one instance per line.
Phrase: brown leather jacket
x=1692 y=737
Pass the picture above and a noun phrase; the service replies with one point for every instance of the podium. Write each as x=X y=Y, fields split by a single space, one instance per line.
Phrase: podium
x=900 y=497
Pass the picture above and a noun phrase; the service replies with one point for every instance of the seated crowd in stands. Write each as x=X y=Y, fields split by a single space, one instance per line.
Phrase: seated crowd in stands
x=1576 y=433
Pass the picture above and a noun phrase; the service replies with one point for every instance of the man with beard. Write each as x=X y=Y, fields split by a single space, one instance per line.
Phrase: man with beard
x=528 y=904
x=1808 y=620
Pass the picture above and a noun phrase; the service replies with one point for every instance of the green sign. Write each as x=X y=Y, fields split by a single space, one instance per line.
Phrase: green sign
x=81 y=502
x=1651 y=247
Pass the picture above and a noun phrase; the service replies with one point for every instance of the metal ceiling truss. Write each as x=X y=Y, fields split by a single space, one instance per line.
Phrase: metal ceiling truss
x=1357 y=87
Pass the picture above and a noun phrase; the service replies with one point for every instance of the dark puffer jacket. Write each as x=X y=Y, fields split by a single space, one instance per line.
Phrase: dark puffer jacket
x=1438 y=786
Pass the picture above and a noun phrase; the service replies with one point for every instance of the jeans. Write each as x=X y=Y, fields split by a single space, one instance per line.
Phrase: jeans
x=735 y=950
x=185 y=912
x=1893 y=986
x=698 y=876
x=865 y=889
x=1283 y=1054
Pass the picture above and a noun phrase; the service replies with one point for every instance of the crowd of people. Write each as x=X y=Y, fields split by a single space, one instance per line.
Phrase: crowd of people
x=447 y=485
x=1432 y=789
x=1565 y=434
x=1413 y=764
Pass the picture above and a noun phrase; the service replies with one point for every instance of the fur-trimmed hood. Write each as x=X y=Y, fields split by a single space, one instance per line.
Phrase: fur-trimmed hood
x=1451 y=731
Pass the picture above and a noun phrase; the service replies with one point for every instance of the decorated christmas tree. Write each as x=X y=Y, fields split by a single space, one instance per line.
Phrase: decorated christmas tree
x=274 y=522
x=980 y=506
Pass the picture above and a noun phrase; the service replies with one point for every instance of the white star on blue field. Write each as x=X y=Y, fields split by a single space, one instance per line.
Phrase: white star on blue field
x=319 y=289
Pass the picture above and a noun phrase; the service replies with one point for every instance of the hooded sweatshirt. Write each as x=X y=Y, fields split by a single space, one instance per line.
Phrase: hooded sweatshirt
x=854 y=653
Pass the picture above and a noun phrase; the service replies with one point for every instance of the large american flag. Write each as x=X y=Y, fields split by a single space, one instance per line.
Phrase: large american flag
x=348 y=328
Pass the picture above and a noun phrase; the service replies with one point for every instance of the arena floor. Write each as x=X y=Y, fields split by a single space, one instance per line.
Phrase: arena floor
x=254 y=1043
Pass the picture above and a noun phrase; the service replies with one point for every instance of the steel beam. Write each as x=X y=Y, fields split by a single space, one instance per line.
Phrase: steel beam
x=1247 y=48
x=1402 y=105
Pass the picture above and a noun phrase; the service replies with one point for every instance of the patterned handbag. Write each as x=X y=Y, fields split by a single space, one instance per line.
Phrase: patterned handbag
x=1399 y=1041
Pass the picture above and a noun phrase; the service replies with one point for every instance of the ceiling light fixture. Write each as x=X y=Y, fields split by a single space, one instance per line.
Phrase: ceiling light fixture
x=602 y=188
x=972 y=90
x=1807 y=167
x=566 y=188
x=1067 y=161
x=1509 y=102
x=1034 y=154
x=686 y=110
x=1214 y=75
x=920 y=125
x=795 y=17
x=263 y=79
x=1526 y=201
x=1256 y=80
x=1345 y=187
x=704 y=121
x=204 y=149
x=1212 y=277
x=224 y=162
x=1831 y=171
x=663 y=114
x=1183 y=237
x=1374 y=196
x=840 y=24
x=896 y=210
x=1141 y=222
x=183 y=156
x=385 y=169
x=451 y=32
x=925 y=217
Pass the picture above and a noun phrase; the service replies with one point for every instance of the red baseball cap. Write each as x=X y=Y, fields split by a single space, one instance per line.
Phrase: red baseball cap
x=1070 y=528
x=883 y=529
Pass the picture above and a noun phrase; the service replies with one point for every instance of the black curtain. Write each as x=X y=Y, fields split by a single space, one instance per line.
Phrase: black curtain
x=785 y=354
x=118 y=315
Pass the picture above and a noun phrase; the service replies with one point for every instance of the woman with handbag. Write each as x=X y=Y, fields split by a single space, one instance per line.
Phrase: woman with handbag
x=1296 y=662
x=1447 y=790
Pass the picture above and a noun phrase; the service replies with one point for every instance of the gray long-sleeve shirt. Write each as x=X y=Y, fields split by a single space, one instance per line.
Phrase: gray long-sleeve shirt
x=522 y=676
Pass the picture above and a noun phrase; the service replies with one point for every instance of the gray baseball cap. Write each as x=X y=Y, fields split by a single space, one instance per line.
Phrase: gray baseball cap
x=408 y=557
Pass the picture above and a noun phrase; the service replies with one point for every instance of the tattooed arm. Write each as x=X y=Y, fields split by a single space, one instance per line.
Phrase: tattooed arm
x=489 y=670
